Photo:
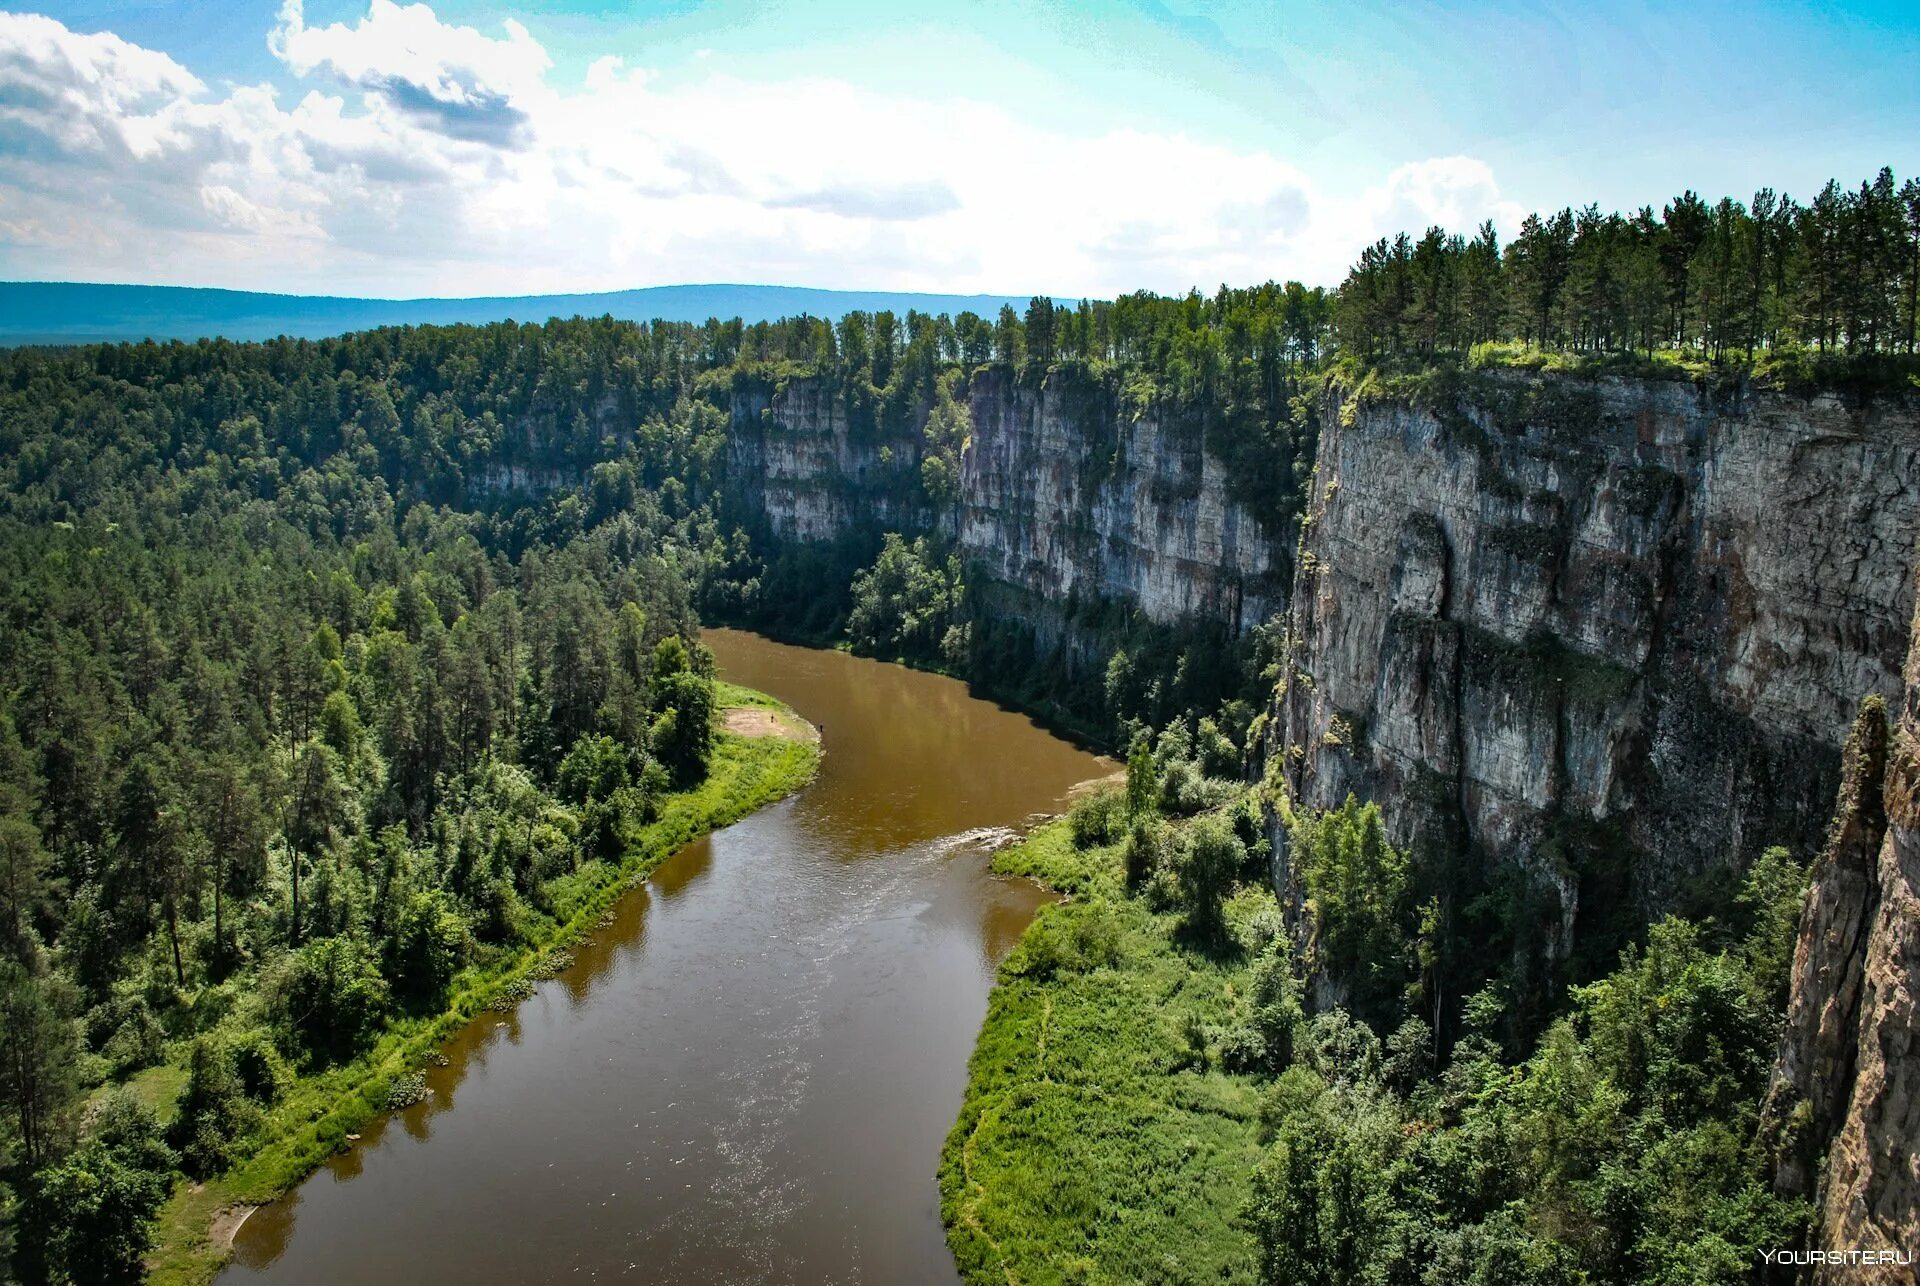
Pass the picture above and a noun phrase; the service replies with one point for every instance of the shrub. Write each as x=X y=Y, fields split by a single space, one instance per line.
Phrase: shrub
x=1217 y=754
x=1206 y=868
x=262 y=1073
x=1071 y=938
x=328 y=997
x=1185 y=790
x=594 y=768
x=213 y=1112
x=89 y=1219
x=1098 y=818
x=1147 y=847
x=429 y=946
x=125 y=1032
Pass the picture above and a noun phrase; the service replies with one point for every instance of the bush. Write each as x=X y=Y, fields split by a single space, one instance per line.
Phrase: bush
x=1217 y=754
x=90 y=1218
x=594 y=768
x=1070 y=938
x=1269 y=1035
x=1206 y=868
x=213 y=1112
x=1185 y=790
x=126 y=1033
x=328 y=997
x=1147 y=847
x=1098 y=818
x=262 y=1073
x=429 y=946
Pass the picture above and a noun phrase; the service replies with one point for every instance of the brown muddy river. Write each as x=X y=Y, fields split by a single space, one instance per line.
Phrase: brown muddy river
x=749 y=1076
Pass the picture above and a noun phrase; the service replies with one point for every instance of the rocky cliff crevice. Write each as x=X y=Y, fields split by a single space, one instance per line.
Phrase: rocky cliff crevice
x=1548 y=617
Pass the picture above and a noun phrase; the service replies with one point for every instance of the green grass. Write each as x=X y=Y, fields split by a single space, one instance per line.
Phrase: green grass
x=1096 y=1143
x=158 y=1089
x=312 y=1121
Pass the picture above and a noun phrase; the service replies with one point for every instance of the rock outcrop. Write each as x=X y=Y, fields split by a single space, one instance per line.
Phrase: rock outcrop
x=1540 y=619
x=796 y=464
x=1550 y=618
x=1065 y=500
x=1842 y=1118
x=1872 y=1198
x=1819 y=1047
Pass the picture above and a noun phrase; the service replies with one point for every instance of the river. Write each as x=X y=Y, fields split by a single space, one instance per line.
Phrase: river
x=748 y=1075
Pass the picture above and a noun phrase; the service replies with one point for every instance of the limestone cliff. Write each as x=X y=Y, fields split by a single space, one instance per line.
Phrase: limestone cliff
x=1872 y=1197
x=1819 y=1047
x=1549 y=618
x=1606 y=629
x=796 y=463
x=1064 y=499
x=1064 y=502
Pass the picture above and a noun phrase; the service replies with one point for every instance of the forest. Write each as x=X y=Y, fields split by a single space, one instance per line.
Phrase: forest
x=336 y=676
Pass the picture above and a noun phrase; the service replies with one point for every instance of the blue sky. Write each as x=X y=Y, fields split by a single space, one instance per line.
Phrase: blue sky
x=459 y=147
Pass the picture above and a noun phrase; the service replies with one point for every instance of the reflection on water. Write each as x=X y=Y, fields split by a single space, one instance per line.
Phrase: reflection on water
x=747 y=1074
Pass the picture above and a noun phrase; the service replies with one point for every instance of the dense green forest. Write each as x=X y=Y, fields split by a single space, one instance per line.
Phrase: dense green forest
x=337 y=677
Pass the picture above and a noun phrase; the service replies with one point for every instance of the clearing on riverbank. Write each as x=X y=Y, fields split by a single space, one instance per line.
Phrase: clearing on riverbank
x=753 y=714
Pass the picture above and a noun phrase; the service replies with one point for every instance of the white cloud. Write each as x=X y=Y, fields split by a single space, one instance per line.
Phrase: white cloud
x=453 y=79
x=424 y=157
x=1456 y=192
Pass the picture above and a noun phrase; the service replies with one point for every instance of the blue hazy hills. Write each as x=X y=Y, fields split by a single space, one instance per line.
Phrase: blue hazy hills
x=62 y=312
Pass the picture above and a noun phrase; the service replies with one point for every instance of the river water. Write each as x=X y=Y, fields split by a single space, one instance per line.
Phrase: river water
x=749 y=1074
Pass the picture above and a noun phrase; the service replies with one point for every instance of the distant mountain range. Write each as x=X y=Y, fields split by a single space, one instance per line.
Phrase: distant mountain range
x=63 y=312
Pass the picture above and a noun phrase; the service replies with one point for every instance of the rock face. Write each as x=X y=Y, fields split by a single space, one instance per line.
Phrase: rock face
x=795 y=463
x=1064 y=502
x=1060 y=504
x=1872 y=1199
x=1544 y=617
x=1539 y=619
x=1819 y=1047
x=1846 y=1088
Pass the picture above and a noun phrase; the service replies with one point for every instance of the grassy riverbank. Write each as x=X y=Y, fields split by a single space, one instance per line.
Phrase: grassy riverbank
x=1098 y=1142
x=313 y=1119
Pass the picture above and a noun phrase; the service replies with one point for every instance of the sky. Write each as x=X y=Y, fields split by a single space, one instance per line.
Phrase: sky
x=471 y=147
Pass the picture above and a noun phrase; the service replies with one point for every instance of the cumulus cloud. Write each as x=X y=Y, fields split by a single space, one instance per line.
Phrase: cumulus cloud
x=62 y=92
x=402 y=154
x=448 y=78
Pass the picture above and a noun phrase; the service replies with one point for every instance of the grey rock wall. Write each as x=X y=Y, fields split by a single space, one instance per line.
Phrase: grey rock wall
x=1641 y=610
